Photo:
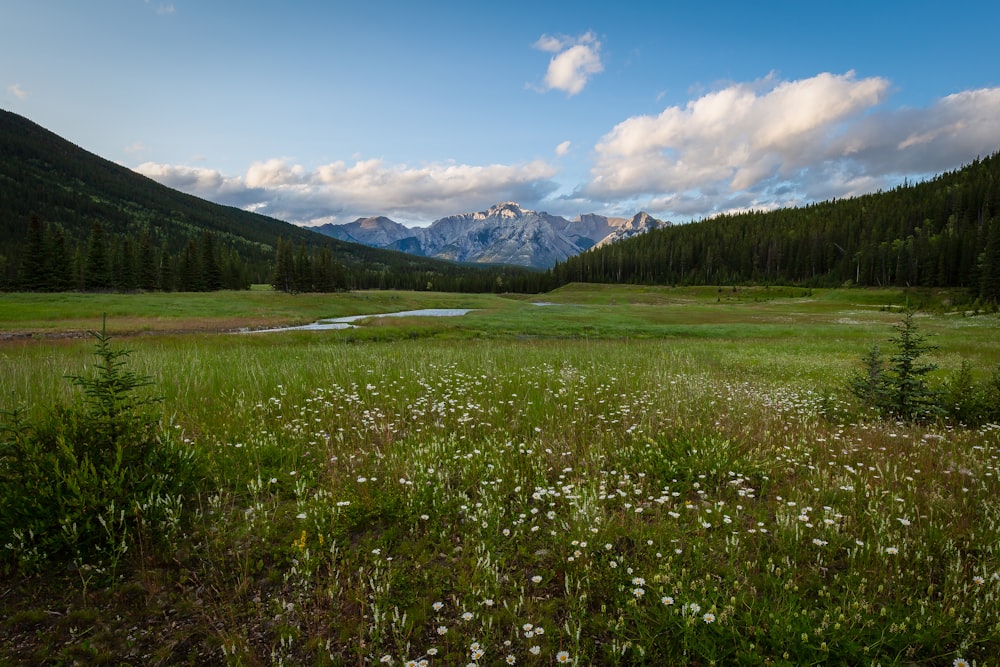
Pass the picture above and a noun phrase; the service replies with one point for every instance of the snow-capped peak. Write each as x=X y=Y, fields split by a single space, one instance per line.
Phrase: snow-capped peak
x=511 y=210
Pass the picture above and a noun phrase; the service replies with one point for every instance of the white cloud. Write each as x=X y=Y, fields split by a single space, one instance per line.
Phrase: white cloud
x=194 y=180
x=342 y=192
x=575 y=61
x=563 y=149
x=17 y=91
x=550 y=44
x=773 y=142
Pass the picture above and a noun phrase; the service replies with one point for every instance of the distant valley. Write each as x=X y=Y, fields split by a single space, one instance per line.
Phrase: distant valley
x=503 y=234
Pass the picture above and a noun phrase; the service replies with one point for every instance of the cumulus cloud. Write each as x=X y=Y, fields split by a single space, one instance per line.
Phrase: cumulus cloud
x=17 y=91
x=341 y=192
x=575 y=61
x=771 y=143
x=563 y=149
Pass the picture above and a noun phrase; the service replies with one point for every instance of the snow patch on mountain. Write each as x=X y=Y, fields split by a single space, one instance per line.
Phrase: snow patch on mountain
x=503 y=234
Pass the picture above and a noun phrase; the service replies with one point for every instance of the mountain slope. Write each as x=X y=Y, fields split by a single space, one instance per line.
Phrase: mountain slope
x=503 y=234
x=69 y=189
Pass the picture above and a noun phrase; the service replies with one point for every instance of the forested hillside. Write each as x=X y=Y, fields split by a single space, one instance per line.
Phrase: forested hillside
x=940 y=233
x=70 y=220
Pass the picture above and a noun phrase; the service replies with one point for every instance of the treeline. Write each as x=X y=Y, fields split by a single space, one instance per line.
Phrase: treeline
x=940 y=233
x=298 y=268
x=51 y=262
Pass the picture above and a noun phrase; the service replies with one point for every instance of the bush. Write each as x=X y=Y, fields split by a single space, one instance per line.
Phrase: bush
x=84 y=482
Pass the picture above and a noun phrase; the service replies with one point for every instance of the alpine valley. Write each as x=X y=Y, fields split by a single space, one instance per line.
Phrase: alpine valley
x=503 y=234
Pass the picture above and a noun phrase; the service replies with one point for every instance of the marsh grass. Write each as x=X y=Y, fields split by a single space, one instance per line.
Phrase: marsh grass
x=472 y=494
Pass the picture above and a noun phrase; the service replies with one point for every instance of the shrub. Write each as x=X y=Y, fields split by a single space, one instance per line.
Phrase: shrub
x=83 y=482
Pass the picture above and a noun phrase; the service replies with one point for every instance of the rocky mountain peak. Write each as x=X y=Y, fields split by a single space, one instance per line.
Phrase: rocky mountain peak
x=504 y=233
x=510 y=210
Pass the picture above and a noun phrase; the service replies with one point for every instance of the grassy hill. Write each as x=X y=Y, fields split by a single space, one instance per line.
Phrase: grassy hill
x=68 y=189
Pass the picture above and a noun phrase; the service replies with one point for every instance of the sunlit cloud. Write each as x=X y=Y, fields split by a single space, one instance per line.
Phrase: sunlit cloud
x=575 y=61
x=17 y=91
x=772 y=143
x=341 y=192
x=756 y=145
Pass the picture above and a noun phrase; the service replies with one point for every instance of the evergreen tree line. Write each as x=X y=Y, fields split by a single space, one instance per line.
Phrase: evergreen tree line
x=941 y=233
x=51 y=262
x=299 y=268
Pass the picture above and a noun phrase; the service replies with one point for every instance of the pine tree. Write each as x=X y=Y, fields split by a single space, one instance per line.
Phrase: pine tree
x=189 y=278
x=989 y=265
x=34 y=276
x=210 y=269
x=284 y=267
x=97 y=272
x=303 y=270
x=910 y=395
x=61 y=268
x=167 y=279
x=148 y=273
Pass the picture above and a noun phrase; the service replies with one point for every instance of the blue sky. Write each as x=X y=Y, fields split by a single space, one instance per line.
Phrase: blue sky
x=328 y=111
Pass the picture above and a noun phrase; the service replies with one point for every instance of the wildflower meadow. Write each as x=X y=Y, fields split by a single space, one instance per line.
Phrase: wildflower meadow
x=452 y=492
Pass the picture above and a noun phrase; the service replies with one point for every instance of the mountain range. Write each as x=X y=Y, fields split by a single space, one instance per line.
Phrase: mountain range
x=502 y=234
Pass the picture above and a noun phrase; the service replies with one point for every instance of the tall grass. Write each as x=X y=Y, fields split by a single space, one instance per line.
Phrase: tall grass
x=675 y=500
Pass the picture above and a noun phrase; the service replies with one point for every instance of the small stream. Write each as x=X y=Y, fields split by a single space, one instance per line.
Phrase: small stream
x=346 y=322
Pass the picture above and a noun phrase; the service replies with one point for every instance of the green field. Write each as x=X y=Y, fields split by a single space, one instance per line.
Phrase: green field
x=624 y=475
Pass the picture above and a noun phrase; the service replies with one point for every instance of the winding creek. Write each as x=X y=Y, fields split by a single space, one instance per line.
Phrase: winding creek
x=347 y=322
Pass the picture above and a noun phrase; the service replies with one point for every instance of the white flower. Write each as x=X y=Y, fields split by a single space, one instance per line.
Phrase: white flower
x=708 y=618
x=437 y=606
x=510 y=659
x=562 y=656
x=667 y=600
x=535 y=650
x=892 y=551
x=536 y=579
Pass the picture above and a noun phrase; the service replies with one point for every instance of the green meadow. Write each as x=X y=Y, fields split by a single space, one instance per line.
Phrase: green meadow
x=594 y=476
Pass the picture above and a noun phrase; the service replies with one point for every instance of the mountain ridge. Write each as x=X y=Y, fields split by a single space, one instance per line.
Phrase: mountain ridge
x=505 y=233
